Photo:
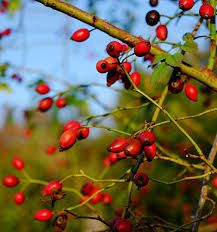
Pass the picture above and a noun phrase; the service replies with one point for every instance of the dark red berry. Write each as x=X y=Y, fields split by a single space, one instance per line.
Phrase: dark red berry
x=161 y=32
x=43 y=215
x=150 y=152
x=42 y=88
x=75 y=125
x=80 y=35
x=19 y=198
x=186 y=4
x=102 y=66
x=112 y=77
x=153 y=3
x=97 y=198
x=51 y=150
x=106 y=198
x=206 y=11
x=18 y=163
x=52 y=187
x=152 y=17
x=118 y=145
x=124 y=48
x=141 y=179
x=176 y=86
x=123 y=225
x=61 y=102
x=114 y=49
x=147 y=138
x=112 y=62
x=10 y=181
x=191 y=92
x=87 y=188
x=142 y=48
x=60 y=223
x=67 y=139
x=133 y=147
x=83 y=132
x=45 y=104
x=149 y=57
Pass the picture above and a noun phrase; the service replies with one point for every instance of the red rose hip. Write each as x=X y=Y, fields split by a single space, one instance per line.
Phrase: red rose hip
x=51 y=187
x=114 y=49
x=80 y=35
x=186 y=4
x=142 y=48
x=118 y=145
x=43 y=215
x=61 y=102
x=150 y=152
x=191 y=92
x=42 y=88
x=161 y=32
x=206 y=11
x=67 y=139
x=141 y=179
x=10 y=181
x=18 y=163
x=45 y=104
x=133 y=147
x=19 y=198
x=147 y=138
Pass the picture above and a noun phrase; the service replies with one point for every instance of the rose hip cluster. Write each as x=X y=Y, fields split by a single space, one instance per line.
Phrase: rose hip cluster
x=46 y=103
x=72 y=131
x=12 y=180
x=88 y=189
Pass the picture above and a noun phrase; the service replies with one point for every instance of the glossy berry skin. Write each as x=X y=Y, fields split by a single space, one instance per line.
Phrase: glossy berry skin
x=161 y=32
x=135 y=77
x=114 y=49
x=152 y=17
x=186 y=4
x=106 y=199
x=206 y=11
x=18 y=163
x=75 y=125
x=118 y=145
x=112 y=62
x=51 y=150
x=141 y=179
x=176 y=86
x=102 y=66
x=19 y=198
x=191 y=92
x=150 y=152
x=45 y=104
x=83 y=133
x=10 y=181
x=61 y=102
x=87 y=188
x=133 y=147
x=80 y=35
x=147 y=138
x=214 y=181
x=142 y=48
x=42 y=88
x=51 y=187
x=153 y=3
x=113 y=157
x=123 y=225
x=67 y=139
x=43 y=215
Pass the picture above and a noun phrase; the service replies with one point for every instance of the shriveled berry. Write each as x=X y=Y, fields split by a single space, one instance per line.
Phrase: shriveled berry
x=10 y=181
x=52 y=187
x=153 y=3
x=112 y=62
x=191 y=92
x=83 y=133
x=18 y=163
x=87 y=188
x=161 y=32
x=102 y=66
x=206 y=11
x=152 y=17
x=42 y=88
x=61 y=102
x=67 y=139
x=176 y=86
x=186 y=4
x=45 y=104
x=118 y=145
x=133 y=147
x=43 y=215
x=150 y=152
x=114 y=49
x=123 y=225
x=141 y=179
x=106 y=198
x=75 y=125
x=19 y=198
x=112 y=77
x=147 y=138
x=60 y=223
x=80 y=35
x=142 y=48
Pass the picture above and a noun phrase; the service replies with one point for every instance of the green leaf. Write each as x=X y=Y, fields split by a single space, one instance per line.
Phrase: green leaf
x=161 y=74
x=189 y=46
x=5 y=87
x=159 y=58
x=188 y=37
x=174 y=60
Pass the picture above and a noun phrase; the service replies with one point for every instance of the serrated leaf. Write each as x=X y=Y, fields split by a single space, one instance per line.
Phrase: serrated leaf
x=189 y=46
x=174 y=60
x=161 y=74
x=188 y=37
x=5 y=87
x=159 y=58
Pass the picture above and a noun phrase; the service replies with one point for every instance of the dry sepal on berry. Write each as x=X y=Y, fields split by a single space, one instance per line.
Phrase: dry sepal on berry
x=80 y=35
x=141 y=179
x=147 y=138
x=52 y=187
x=114 y=49
x=186 y=4
x=206 y=11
